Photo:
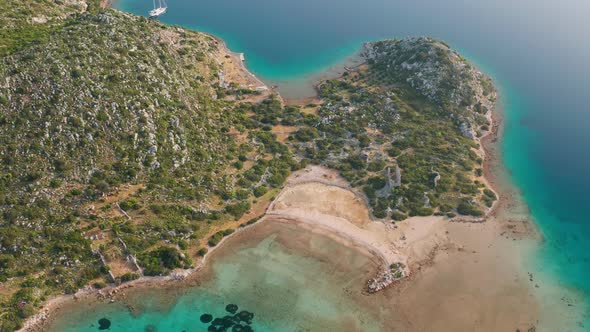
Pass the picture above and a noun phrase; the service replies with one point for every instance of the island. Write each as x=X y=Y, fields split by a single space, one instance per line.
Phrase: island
x=130 y=149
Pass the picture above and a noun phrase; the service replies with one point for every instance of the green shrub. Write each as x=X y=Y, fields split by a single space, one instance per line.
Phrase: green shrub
x=422 y=211
x=467 y=209
x=260 y=191
x=238 y=210
x=129 y=276
x=357 y=162
x=99 y=285
x=489 y=193
x=130 y=204
x=202 y=252
x=161 y=260
x=398 y=216
x=306 y=134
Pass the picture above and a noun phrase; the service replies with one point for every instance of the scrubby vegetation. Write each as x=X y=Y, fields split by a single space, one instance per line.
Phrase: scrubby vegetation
x=122 y=152
x=26 y=22
x=400 y=129
x=115 y=146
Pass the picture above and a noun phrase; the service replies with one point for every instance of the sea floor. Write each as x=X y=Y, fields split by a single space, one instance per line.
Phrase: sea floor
x=289 y=278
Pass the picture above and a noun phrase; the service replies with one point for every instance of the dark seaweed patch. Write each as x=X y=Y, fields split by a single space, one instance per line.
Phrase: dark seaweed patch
x=217 y=322
x=231 y=308
x=104 y=324
x=245 y=316
x=236 y=322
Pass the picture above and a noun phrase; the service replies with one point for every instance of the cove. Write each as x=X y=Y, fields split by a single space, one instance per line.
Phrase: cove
x=268 y=270
x=536 y=50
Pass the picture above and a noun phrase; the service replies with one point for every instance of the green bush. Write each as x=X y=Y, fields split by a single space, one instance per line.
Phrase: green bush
x=130 y=204
x=161 y=260
x=398 y=216
x=217 y=237
x=238 y=210
x=467 y=209
x=422 y=211
x=99 y=285
x=260 y=191
x=489 y=193
x=129 y=276
x=306 y=134
x=202 y=252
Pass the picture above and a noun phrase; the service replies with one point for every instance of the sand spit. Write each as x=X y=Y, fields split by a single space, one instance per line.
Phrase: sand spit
x=462 y=276
x=320 y=197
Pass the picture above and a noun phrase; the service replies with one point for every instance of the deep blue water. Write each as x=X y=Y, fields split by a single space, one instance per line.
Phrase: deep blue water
x=537 y=51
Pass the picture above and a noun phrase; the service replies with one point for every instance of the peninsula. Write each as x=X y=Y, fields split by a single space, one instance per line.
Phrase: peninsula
x=129 y=149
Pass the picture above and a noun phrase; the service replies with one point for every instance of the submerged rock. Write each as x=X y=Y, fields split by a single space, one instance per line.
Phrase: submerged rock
x=206 y=318
x=245 y=316
x=386 y=278
x=104 y=324
x=231 y=308
x=217 y=322
x=230 y=320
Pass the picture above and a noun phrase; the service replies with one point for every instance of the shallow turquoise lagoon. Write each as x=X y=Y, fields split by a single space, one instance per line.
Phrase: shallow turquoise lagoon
x=270 y=274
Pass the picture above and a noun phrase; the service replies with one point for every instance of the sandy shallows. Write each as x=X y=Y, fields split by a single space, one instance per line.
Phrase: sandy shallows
x=463 y=276
x=320 y=198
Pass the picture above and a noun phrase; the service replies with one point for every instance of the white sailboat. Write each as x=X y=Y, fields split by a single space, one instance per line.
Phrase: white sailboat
x=160 y=10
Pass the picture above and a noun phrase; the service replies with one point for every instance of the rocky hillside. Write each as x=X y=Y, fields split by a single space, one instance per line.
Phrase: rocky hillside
x=111 y=97
x=25 y=22
x=437 y=72
x=403 y=129
x=119 y=156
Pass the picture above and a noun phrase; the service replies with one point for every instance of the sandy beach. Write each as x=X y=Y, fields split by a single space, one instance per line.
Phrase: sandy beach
x=463 y=276
x=320 y=198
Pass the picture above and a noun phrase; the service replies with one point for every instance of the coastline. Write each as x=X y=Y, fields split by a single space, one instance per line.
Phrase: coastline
x=430 y=242
x=425 y=248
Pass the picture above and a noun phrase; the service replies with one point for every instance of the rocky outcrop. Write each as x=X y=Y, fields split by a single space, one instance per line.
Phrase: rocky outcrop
x=437 y=72
x=387 y=277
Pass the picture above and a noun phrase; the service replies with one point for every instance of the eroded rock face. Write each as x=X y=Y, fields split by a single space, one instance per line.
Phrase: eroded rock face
x=467 y=130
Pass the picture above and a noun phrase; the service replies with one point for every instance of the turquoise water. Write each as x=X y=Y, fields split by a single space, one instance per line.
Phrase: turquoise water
x=269 y=275
x=536 y=50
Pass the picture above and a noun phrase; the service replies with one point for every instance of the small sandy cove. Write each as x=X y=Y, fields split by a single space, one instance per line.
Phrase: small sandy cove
x=320 y=198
